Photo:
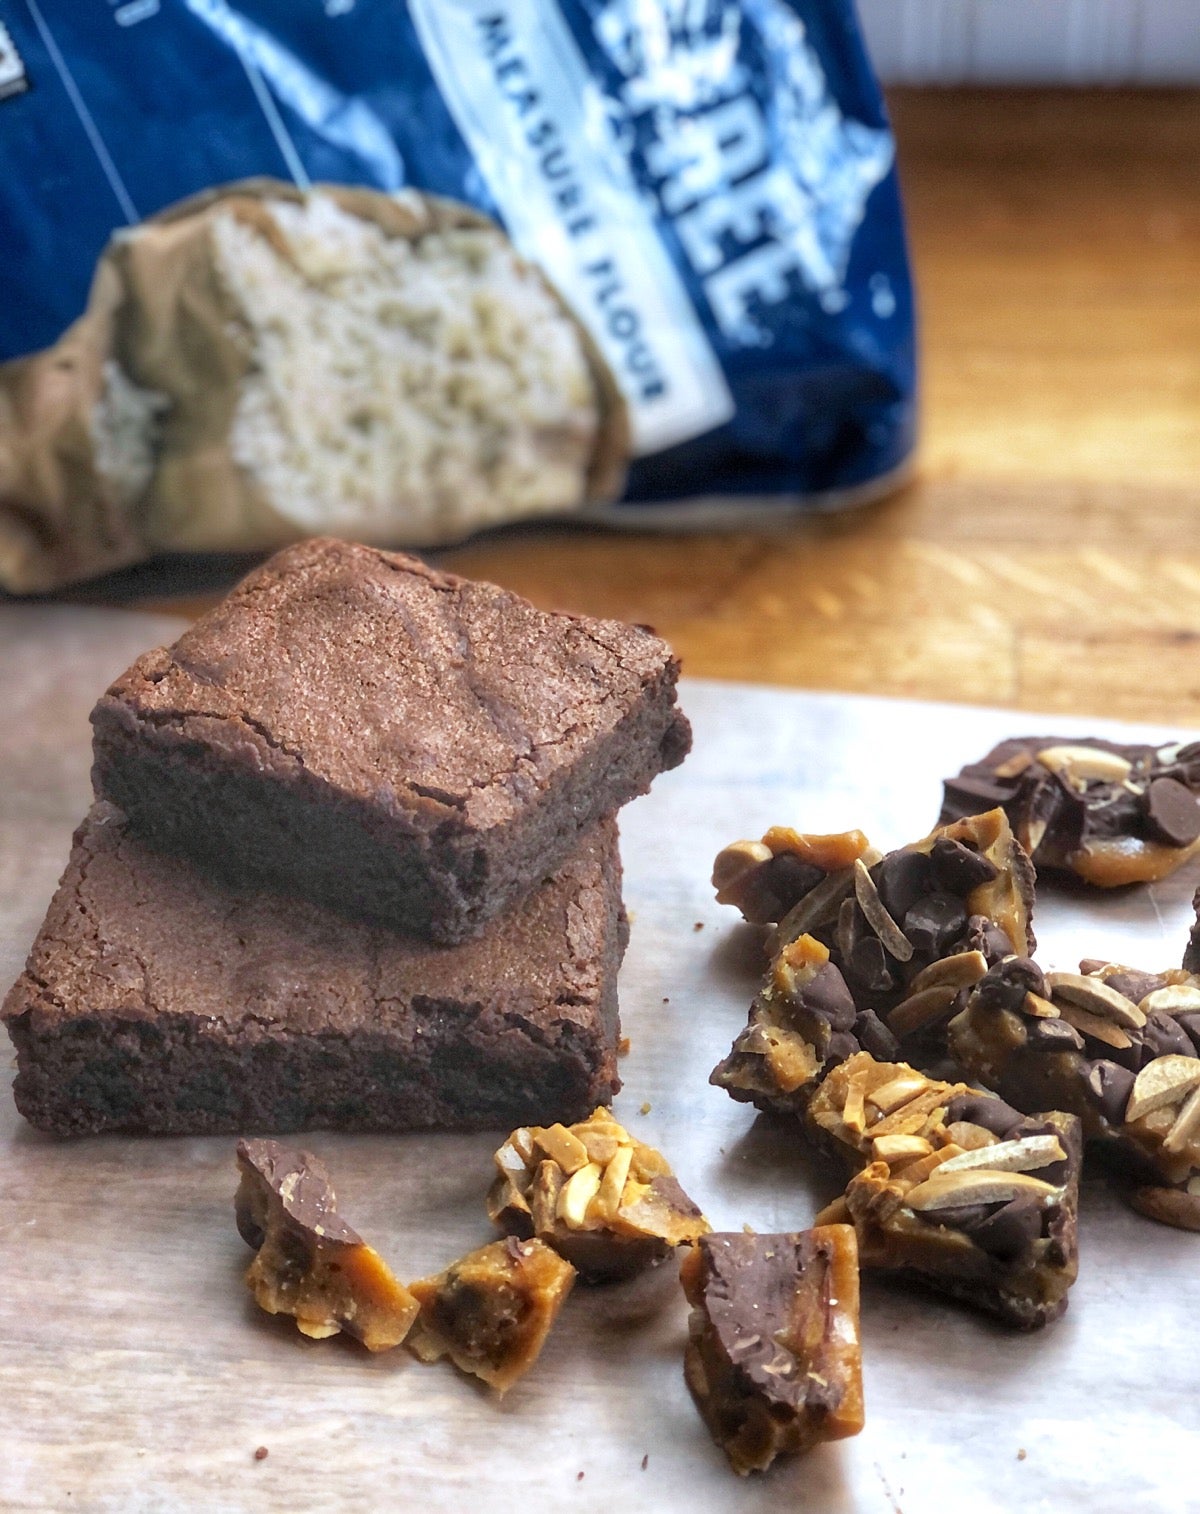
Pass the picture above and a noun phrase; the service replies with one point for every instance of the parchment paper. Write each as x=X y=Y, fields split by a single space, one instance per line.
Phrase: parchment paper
x=136 y=1375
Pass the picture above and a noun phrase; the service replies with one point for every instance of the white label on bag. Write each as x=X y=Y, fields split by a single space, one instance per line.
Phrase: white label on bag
x=538 y=127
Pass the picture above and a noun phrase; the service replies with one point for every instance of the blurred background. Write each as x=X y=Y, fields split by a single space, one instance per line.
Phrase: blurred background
x=1046 y=553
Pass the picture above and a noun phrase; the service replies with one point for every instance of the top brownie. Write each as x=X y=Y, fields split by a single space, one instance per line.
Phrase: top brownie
x=356 y=727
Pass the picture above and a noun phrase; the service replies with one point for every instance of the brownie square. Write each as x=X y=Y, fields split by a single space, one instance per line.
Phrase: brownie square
x=385 y=739
x=157 y=998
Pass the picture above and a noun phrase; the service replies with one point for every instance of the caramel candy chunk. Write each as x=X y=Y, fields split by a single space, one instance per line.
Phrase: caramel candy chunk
x=491 y=1311
x=310 y=1263
x=955 y=1188
x=1110 y=814
x=880 y=950
x=773 y=1358
x=1116 y=1046
x=607 y=1203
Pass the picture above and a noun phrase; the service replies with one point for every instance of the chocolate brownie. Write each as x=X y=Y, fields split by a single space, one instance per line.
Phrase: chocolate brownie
x=158 y=999
x=385 y=739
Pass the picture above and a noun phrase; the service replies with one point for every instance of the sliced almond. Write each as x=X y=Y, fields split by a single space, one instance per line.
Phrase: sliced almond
x=734 y=862
x=577 y=1193
x=899 y=1148
x=970 y=1137
x=1186 y=1126
x=612 y=1184
x=1024 y=1155
x=1095 y=995
x=959 y=1190
x=1092 y=1025
x=1166 y=1080
x=564 y=1148
x=514 y=1158
x=854 y=1115
x=959 y=971
x=910 y=1117
x=1038 y=1008
x=895 y=942
x=921 y=1009
x=1177 y=999
x=1193 y=1186
x=1032 y=834
x=898 y=1090
x=1085 y=764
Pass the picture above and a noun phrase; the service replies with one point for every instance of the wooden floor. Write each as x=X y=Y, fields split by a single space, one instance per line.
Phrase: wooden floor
x=1047 y=554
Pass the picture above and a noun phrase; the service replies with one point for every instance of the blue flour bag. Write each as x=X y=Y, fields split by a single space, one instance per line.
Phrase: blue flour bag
x=252 y=285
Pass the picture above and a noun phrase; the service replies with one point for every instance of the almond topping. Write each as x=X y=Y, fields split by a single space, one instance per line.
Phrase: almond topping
x=894 y=941
x=910 y=1117
x=960 y=971
x=612 y=1185
x=1166 y=1080
x=898 y=1090
x=959 y=1190
x=562 y=1147
x=898 y=1148
x=577 y=1193
x=1023 y=1155
x=1178 y=999
x=1186 y=1126
x=1084 y=764
x=1092 y=1025
x=1014 y=766
x=1096 y=996
x=1038 y=1008
x=921 y=1009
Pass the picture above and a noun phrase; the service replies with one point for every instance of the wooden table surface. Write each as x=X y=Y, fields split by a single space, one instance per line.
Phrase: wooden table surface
x=1047 y=554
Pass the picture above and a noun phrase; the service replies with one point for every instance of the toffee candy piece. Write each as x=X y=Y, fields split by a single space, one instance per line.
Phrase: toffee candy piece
x=310 y=1263
x=390 y=741
x=1111 y=814
x=607 y=1203
x=158 y=999
x=490 y=1312
x=881 y=949
x=958 y=1192
x=773 y=1358
x=1128 y=1068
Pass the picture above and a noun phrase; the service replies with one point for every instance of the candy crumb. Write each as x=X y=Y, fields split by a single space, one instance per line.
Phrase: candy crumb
x=646 y=1107
x=645 y=1461
x=261 y=1453
x=1021 y=1454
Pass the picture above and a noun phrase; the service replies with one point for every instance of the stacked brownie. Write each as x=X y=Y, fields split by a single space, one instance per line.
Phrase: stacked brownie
x=352 y=863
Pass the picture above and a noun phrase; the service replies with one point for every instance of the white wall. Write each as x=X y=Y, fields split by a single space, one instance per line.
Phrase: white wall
x=1034 y=41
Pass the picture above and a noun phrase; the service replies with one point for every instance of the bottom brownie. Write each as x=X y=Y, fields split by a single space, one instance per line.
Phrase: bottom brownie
x=158 y=1000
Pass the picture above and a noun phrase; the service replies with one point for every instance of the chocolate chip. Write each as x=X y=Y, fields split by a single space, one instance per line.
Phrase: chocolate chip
x=827 y=995
x=984 y=935
x=958 y=869
x=842 y=1046
x=870 y=965
x=1011 y=1230
x=1165 y=1035
x=1112 y=811
x=1191 y=1024
x=1005 y=985
x=977 y=1109
x=934 y=922
x=902 y=878
x=969 y=795
x=1109 y=1086
x=1053 y=1035
x=874 y=1036
x=788 y=879
x=1172 y=813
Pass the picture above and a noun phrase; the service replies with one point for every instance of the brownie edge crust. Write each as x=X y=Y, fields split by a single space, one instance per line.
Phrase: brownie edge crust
x=156 y=999
x=384 y=739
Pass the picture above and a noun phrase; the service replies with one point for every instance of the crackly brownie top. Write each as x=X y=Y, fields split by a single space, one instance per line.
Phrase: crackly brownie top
x=420 y=691
x=262 y=964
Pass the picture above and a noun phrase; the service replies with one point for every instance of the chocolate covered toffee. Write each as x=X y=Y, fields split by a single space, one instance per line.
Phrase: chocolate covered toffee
x=1110 y=814
x=1118 y=1047
x=955 y=1189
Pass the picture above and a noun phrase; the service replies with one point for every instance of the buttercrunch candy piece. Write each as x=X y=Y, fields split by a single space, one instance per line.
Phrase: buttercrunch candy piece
x=491 y=1311
x=607 y=1203
x=1116 y=1046
x=1111 y=814
x=310 y=1263
x=957 y=1189
x=773 y=1358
